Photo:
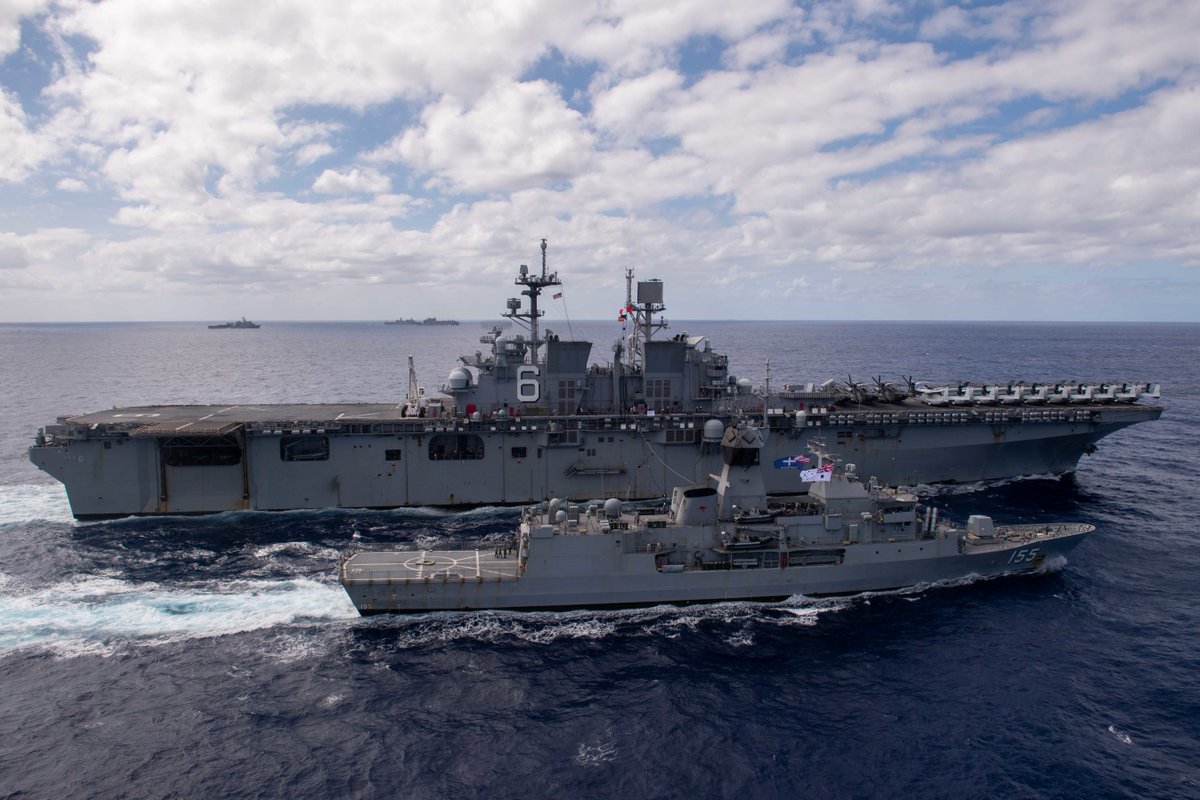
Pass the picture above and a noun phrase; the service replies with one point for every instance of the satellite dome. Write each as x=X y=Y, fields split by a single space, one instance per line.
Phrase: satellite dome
x=612 y=508
x=459 y=378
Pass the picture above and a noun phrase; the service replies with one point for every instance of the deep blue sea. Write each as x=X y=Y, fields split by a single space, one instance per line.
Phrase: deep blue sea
x=218 y=657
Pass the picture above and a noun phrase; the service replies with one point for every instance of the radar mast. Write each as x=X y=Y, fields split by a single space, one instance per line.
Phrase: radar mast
x=649 y=303
x=534 y=284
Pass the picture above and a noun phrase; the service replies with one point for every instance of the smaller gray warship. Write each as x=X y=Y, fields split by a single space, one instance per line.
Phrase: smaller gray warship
x=715 y=543
x=242 y=323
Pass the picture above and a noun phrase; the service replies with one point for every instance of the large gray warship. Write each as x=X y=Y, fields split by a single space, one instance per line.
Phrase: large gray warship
x=724 y=543
x=536 y=418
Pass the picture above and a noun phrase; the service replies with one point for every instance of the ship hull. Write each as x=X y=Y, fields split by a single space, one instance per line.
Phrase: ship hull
x=202 y=460
x=632 y=581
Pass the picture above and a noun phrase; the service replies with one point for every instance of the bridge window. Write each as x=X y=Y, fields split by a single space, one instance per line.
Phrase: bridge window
x=566 y=397
x=455 y=447
x=658 y=391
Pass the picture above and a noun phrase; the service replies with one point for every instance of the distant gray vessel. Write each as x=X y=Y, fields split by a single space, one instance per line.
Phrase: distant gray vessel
x=426 y=321
x=714 y=544
x=241 y=323
x=533 y=417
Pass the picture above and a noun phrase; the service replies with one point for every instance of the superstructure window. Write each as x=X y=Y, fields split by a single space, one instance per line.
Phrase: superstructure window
x=304 y=448
x=658 y=391
x=519 y=452
x=566 y=397
x=392 y=455
x=455 y=447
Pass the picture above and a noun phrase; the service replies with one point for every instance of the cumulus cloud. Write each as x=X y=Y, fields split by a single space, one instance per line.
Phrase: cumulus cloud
x=353 y=181
x=517 y=135
x=11 y=13
x=769 y=144
x=312 y=152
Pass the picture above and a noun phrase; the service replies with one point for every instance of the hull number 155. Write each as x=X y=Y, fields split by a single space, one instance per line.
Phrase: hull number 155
x=1025 y=555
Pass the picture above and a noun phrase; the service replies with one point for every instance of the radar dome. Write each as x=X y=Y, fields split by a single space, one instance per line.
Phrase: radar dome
x=612 y=508
x=459 y=378
x=714 y=429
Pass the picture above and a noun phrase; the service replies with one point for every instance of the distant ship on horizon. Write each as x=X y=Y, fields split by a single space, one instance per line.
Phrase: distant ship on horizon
x=241 y=323
x=426 y=321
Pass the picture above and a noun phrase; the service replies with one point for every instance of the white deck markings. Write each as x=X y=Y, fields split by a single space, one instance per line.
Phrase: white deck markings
x=425 y=565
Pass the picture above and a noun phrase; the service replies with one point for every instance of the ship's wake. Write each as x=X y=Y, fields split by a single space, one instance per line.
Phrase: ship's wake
x=102 y=615
x=30 y=502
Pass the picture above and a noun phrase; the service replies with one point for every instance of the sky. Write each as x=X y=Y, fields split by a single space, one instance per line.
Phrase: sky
x=368 y=160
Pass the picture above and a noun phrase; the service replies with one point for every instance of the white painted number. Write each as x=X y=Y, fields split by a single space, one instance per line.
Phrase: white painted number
x=528 y=388
x=1023 y=555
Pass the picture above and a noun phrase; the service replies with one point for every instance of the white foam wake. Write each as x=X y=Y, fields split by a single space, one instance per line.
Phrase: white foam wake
x=97 y=615
x=27 y=502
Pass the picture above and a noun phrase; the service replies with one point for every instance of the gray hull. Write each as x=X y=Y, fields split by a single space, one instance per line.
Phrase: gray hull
x=387 y=582
x=718 y=542
x=137 y=461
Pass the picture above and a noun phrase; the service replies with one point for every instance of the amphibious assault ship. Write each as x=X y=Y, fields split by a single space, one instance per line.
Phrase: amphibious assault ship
x=536 y=417
x=724 y=543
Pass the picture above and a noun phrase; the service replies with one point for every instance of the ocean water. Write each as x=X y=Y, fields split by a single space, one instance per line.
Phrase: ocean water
x=218 y=657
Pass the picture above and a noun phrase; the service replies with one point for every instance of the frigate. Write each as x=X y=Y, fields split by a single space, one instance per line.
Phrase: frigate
x=714 y=543
x=536 y=416
x=242 y=323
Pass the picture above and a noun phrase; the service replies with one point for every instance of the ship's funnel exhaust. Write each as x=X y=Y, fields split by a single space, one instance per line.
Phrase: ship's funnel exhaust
x=695 y=506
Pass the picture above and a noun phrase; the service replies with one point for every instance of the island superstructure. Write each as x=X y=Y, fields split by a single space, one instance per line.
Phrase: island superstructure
x=535 y=417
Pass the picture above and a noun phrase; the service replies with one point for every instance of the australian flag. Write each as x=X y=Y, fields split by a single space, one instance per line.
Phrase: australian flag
x=791 y=462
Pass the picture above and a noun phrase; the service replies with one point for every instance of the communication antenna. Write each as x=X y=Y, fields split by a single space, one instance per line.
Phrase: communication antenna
x=534 y=284
x=649 y=302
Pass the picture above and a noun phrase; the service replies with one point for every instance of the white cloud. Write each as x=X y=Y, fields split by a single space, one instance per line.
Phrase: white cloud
x=816 y=139
x=629 y=36
x=310 y=153
x=631 y=108
x=23 y=150
x=355 y=180
x=11 y=13
x=518 y=135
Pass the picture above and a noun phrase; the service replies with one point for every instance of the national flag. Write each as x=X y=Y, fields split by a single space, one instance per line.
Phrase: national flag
x=823 y=473
x=558 y=295
x=791 y=462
